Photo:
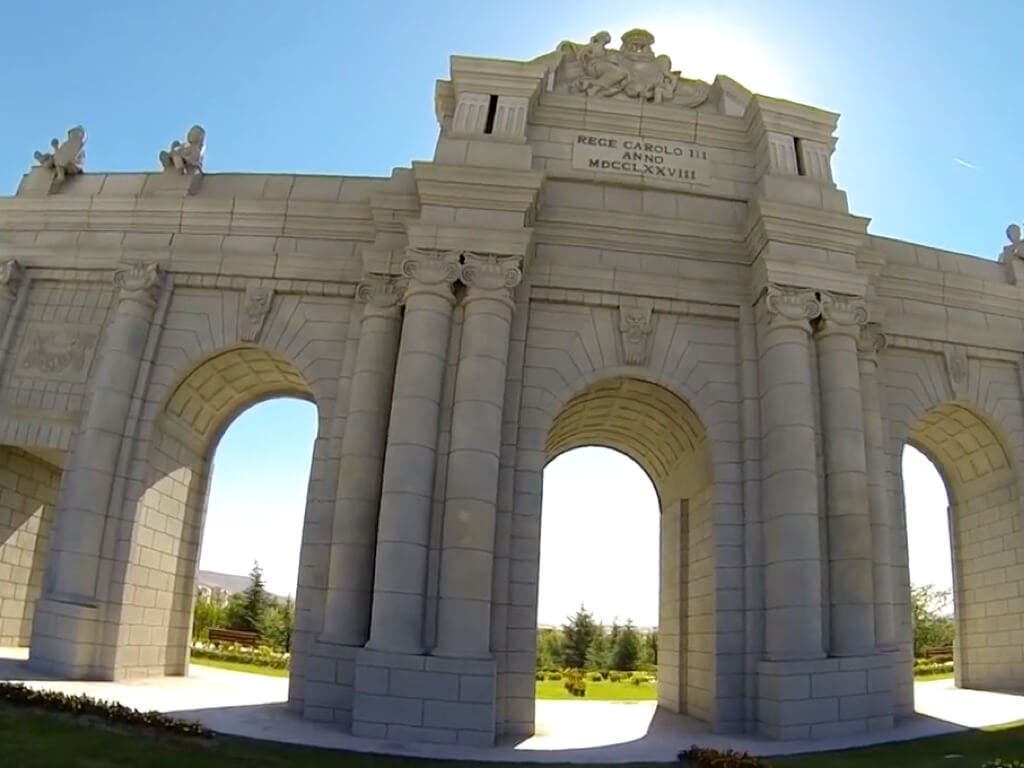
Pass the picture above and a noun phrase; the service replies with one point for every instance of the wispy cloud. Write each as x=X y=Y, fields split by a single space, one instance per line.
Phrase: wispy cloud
x=965 y=164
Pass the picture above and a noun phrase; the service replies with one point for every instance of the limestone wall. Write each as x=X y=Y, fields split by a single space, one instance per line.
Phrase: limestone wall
x=28 y=492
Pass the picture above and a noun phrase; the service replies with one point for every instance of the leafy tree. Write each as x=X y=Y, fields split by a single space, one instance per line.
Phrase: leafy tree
x=578 y=633
x=276 y=627
x=626 y=654
x=933 y=627
x=549 y=649
x=649 y=648
x=206 y=615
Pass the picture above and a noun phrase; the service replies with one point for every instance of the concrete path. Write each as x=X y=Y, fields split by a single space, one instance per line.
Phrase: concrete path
x=567 y=731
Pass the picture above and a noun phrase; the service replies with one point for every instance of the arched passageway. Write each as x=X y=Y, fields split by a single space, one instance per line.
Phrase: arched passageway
x=660 y=432
x=161 y=571
x=986 y=541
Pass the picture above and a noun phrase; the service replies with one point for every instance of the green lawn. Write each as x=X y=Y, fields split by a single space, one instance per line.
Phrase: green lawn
x=30 y=739
x=605 y=690
x=238 y=666
x=33 y=739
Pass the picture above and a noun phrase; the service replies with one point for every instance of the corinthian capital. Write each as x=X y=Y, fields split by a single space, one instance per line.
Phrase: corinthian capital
x=788 y=306
x=490 y=275
x=871 y=340
x=431 y=271
x=381 y=293
x=843 y=313
x=138 y=282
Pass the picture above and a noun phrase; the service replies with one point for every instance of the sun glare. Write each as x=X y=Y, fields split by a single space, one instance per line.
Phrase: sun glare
x=701 y=47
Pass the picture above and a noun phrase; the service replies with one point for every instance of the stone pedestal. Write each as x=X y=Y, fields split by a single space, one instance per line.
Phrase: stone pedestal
x=825 y=697
x=411 y=697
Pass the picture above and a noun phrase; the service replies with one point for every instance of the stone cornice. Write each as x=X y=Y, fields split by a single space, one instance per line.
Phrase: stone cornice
x=765 y=113
x=812 y=227
x=497 y=189
x=505 y=78
x=196 y=215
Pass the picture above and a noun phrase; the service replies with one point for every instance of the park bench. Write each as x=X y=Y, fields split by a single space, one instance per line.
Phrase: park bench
x=941 y=652
x=235 y=636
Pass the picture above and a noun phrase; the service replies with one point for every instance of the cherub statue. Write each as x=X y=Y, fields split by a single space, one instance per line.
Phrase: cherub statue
x=187 y=157
x=67 y=158
x=1016 y=246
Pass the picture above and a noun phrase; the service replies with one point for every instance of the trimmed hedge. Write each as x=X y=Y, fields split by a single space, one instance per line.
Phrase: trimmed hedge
x=80 y=704
x=261 y=657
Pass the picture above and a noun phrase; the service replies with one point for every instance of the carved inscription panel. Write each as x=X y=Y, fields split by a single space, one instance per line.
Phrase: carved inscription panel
x=637 y=156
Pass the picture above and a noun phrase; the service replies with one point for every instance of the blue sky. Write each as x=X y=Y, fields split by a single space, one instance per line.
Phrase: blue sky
x=931 y=138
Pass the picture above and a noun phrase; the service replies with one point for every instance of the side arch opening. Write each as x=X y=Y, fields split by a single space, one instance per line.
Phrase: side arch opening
x=986 y=543
x=159 y=583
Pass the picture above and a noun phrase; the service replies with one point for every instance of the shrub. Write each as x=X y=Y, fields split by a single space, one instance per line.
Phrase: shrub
x=260 y=657
x=1000 y=762
x=575 y=684
x=16 y=693
x=637 y=679
x=596 y=677
x=554 y=676
x=540 y=677
x=614 y=676
x=702 y=757
x=604 y=674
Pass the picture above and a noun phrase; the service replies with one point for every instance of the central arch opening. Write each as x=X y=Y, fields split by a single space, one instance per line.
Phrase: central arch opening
x=661 y=437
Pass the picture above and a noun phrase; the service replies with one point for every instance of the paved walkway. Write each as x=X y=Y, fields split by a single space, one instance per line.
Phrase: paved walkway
x=567 y=731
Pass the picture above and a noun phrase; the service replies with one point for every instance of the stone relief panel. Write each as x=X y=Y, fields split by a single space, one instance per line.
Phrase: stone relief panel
x=255 y=308
x=58 y=351
x=635 y=324
x=956 y=369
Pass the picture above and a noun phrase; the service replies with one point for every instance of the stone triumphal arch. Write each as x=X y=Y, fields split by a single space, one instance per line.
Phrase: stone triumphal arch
x=600 y=252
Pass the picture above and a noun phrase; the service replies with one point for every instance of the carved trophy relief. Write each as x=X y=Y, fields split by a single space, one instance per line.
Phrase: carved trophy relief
x=66 y=158
x=635 y=325
x=957 y=369
x=255 y=308
x=633 y=71
x=61 y=351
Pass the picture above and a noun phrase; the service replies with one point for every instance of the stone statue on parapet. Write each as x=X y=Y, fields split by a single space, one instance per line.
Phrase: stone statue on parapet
x=634 y=70
x=1016 y=246
x=186 y=157
x=66 y=158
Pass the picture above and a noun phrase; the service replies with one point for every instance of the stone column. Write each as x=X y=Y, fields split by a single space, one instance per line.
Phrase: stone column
x=852 y=612
x=354 y=533
x=470 y=512
x=870 y=343
x=403 y=531
x=792 y=547
x=88 y=478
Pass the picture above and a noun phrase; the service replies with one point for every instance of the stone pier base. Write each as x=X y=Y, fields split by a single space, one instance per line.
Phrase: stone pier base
x=409 y=697
x=837 y=696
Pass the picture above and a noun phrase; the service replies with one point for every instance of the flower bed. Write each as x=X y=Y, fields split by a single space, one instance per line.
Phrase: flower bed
x=261 y=656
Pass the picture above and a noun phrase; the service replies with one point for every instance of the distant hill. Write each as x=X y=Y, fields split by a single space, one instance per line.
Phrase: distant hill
x=227 y=584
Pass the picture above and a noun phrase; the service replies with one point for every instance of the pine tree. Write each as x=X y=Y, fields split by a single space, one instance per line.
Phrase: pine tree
x=254 y=602
x=626 y=654
x=578 y=635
